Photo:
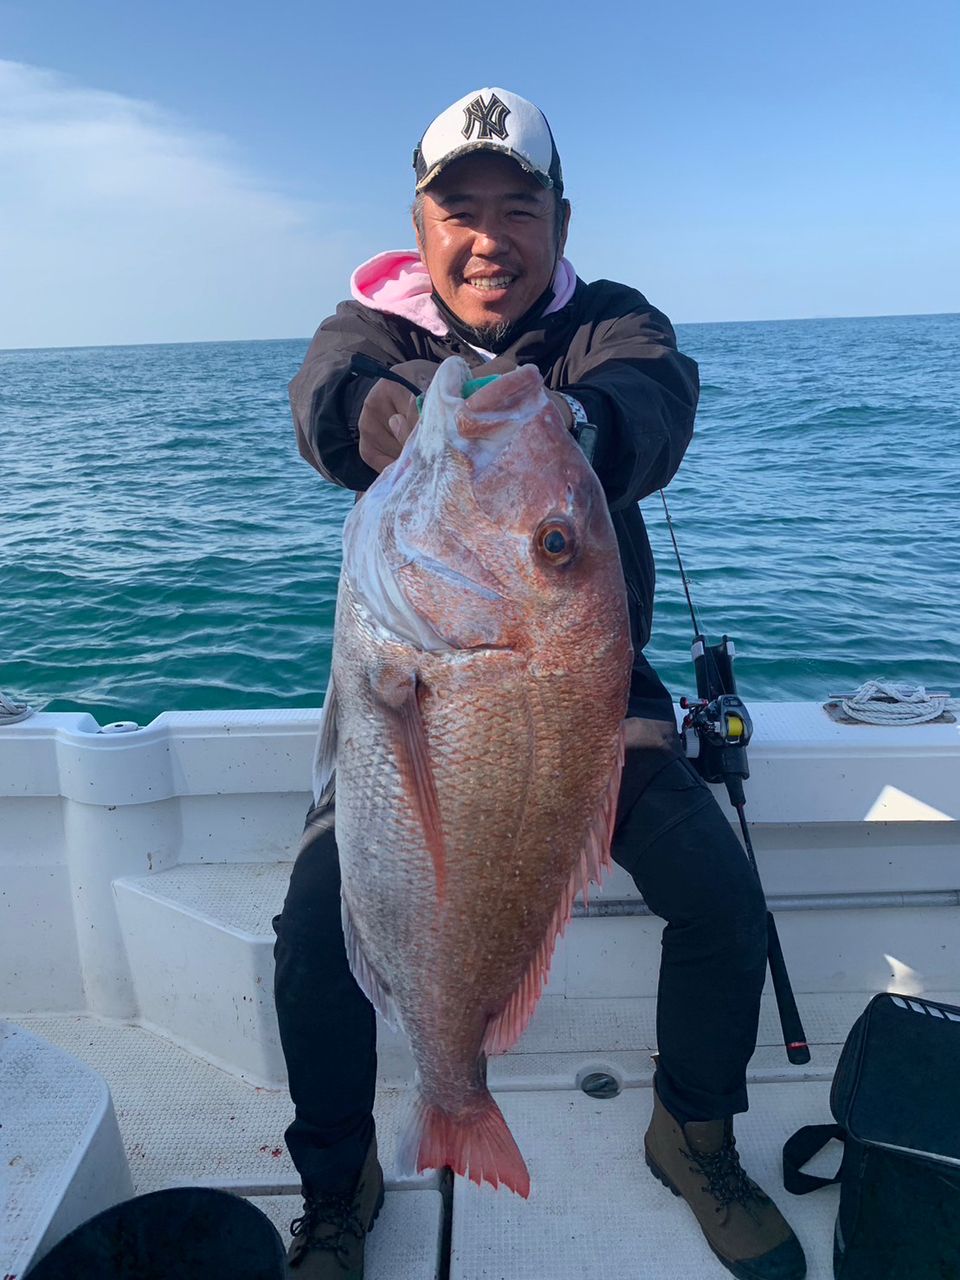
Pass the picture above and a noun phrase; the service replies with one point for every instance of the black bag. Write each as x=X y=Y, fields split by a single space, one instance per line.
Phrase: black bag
x=896 y=1100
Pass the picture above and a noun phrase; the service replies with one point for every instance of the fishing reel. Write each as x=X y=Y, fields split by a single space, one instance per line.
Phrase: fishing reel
x=717 y=727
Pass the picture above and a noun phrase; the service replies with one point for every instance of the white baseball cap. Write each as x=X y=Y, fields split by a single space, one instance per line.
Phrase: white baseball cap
x=490 y=120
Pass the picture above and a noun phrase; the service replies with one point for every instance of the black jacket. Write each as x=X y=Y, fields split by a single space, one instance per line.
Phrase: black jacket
x=608 y=347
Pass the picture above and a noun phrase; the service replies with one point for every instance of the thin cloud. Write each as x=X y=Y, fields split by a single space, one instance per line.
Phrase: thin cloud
x=120 y=223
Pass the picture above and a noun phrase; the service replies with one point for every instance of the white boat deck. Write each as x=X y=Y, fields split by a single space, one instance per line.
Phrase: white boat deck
x=594 y=1210
x=597 y=1213
x=138 y=877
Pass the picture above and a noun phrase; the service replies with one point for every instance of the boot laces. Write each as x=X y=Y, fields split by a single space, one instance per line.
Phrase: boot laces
x=728 y=1183
x=328 y=1219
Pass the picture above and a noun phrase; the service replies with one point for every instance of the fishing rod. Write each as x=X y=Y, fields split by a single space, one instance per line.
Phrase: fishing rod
x=723 y=728
x=361 y=364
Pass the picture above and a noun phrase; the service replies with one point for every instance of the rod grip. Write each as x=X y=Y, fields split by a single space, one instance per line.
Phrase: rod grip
x=794 y=1036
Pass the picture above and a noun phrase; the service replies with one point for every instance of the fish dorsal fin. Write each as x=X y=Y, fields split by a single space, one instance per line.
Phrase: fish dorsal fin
x=325 y=759
x=506 y=1027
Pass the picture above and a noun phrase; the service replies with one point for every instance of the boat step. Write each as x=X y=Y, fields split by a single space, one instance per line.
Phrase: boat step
x=199 y=943
x=61 y=1155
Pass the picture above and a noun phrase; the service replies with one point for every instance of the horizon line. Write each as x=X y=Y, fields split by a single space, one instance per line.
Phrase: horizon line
x=212 y=342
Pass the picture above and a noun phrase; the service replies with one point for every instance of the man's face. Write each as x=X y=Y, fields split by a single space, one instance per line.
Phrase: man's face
x=489 y=239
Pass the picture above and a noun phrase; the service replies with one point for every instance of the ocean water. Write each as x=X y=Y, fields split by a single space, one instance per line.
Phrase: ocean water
x=163 y=546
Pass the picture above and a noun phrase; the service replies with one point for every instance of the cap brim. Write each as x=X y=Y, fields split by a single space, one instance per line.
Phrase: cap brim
x=543 y=178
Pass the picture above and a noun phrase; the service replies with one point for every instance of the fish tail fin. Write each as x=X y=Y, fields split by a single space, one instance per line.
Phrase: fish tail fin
x=478 y=1146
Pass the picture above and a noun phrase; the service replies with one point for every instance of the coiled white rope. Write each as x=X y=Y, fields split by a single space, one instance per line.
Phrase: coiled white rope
x=11 y=712
x=886 y=702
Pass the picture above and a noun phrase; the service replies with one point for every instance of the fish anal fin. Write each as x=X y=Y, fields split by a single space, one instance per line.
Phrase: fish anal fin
x=595 y=860
x=506 y=1027
x=366 y=977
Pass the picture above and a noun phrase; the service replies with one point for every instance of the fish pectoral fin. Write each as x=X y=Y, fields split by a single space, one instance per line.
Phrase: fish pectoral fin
x=365 y=976
x=413 y=755
x=505 y=1028
x=325 y=759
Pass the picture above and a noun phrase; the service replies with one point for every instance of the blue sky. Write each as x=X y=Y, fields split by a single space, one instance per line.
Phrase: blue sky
x=189 y=171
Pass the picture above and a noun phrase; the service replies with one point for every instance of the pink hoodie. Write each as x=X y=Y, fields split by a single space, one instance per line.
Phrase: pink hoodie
x=397 y=282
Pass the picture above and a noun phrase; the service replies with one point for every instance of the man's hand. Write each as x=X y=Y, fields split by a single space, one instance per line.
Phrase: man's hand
x=389 y=413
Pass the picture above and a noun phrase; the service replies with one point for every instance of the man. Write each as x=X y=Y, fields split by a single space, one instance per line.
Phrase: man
x=489 y=283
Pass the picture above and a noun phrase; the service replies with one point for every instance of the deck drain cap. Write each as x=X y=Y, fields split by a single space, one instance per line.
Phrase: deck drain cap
x=600 y=1084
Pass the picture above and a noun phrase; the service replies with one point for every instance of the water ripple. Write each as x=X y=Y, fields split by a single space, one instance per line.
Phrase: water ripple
x=163 y=545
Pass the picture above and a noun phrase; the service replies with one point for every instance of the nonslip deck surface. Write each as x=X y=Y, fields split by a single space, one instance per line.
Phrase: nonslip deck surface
x=242 y=896
x=595 y=1211
x=184 y=1121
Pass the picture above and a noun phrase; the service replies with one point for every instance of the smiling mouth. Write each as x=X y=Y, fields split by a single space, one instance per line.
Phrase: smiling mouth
x=487 y=284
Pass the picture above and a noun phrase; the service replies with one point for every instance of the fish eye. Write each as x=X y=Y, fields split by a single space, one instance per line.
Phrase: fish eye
x=555 y=541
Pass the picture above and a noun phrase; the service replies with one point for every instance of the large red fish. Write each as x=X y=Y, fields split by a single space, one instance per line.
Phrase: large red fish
x=480 y=671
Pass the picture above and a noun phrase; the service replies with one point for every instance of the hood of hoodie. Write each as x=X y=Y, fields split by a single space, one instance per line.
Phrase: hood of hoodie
x=397 y=282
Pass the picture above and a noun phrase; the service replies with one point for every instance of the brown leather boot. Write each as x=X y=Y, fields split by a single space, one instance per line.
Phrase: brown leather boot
x=328 y=1239
x=743 y=1226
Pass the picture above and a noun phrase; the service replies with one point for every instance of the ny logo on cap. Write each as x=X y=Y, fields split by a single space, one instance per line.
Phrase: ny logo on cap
x=491 y=117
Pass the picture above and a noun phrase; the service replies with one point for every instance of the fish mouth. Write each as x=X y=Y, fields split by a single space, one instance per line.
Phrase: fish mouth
x=497 y=406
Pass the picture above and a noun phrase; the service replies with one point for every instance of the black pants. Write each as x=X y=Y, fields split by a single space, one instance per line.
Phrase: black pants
x=686 y=861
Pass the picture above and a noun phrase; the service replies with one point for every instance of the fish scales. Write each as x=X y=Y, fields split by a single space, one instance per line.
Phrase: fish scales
x=479 y=683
